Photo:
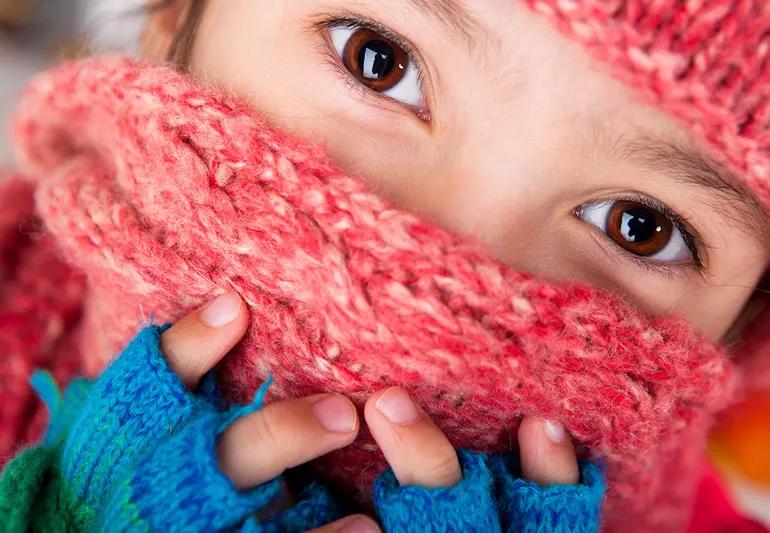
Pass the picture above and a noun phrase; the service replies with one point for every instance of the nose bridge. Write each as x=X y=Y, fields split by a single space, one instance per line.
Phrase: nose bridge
x=492 y=173
x=500 y=152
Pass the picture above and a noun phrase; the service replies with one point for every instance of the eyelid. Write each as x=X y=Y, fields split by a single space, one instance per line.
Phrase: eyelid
x=615 y=252
x=692 y=238
x=349 y=21
x=352 y=20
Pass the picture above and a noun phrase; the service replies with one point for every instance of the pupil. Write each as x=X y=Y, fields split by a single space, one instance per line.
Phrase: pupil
x=638 y=225
x=376 y=59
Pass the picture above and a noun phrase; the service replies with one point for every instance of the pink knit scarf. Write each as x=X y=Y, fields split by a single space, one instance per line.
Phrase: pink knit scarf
x=165 y=193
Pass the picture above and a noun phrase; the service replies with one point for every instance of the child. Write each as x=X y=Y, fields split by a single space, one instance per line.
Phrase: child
x=135 y=450
x=496 y=125
x=488 y=121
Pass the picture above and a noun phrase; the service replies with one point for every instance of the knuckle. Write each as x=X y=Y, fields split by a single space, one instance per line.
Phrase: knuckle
x=443 y=466
x=186 y=364
x=268 y=427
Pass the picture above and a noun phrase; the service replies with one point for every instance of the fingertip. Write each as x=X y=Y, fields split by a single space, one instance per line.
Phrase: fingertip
x=359 y=524
x=337 y=414
x=233 y=323
x=547 y=453
x=227 y=309
x=555 y=432
x=201 y=339
x=397 y=406
x=385 y=407
x=416 y=449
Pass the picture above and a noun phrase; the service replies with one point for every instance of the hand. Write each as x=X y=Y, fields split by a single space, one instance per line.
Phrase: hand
x=137 y=448
x=281 y=435
x=428 y=489
x=420 y=454
x=288 y=433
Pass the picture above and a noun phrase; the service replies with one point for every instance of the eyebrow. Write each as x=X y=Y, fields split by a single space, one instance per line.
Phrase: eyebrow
x=693 y=168
x=688 y=167
x=452 y=15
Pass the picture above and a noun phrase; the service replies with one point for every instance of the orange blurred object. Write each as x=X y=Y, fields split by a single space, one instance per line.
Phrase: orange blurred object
x=742 y=439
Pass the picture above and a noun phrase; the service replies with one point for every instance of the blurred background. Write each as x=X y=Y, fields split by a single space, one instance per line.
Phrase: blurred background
x=36 y=33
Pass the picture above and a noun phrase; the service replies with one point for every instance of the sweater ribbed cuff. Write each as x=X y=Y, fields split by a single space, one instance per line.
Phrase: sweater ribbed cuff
x=529 y=508
x=136 y=402
x=492 y=497
x=179 y=486
x=467 y=506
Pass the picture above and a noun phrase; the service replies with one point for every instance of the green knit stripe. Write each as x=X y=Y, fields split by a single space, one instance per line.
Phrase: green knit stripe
x=59 y=509
x=21 y=484
x=34 y=497
x=121 y=510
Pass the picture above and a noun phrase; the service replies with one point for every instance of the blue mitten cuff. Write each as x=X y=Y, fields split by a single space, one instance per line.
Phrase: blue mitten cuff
x=467 y=506
x=528 y=507
x=492 y=497
x=179 y=486
x=140 y=453
x=134 y=403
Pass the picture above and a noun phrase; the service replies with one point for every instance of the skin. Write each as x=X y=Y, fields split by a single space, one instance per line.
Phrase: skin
x=524 y=129
x=521 y=123
x=284 y=434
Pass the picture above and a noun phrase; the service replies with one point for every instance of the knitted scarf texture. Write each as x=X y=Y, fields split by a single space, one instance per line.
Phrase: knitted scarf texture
x=162 y=193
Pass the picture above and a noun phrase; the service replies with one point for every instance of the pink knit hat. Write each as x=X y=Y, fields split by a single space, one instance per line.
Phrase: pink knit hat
x=163 y=193
x=707 y=63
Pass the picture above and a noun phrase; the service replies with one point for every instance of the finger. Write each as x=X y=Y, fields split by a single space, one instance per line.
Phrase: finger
x=415 y=448
x=281 y=435
x=350 y=524
x=197 y=342
x=547 y=453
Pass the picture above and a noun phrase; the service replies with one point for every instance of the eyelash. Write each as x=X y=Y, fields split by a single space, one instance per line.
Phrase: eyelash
x=354 y=22
x=351 y=21
x=691 y=237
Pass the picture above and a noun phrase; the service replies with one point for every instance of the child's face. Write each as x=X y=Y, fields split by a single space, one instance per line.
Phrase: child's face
x=500 y=127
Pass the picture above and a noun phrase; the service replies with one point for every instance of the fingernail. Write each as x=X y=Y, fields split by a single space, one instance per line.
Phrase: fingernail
x=336 y=414
x=398 y=407
x=360 y=524
x=221 y=310
x=554 y=431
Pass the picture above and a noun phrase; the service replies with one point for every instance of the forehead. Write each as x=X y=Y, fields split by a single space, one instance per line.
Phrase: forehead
x=532 y=69
x=501 y=55
x=498 y=69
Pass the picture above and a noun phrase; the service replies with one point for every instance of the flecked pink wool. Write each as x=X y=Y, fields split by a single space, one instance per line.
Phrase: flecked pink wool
x=40 y=306
x=165 y=193
x=162 y=192
x=707 y=63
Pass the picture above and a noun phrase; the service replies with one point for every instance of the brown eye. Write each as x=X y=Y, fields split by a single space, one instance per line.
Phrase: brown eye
x=638 y=229
x=377 y=62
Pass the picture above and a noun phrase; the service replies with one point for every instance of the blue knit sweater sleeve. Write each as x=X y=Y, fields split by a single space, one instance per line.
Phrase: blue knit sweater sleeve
x=492 y=497
x=529 y=508
x=137 y=452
